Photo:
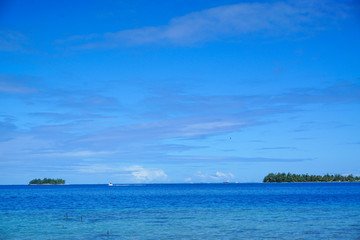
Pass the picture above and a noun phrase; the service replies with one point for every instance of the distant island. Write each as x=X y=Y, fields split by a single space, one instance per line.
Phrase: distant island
x=46 y=181
x=283 y=177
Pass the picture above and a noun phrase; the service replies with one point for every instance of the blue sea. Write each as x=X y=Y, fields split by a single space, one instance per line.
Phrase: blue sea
x=181 y=211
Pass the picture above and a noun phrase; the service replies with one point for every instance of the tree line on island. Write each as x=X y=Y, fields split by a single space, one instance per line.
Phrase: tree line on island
x=283 y=177
x=47 y=181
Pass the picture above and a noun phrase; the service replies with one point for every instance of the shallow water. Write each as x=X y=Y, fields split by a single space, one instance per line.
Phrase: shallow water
x=181 y=211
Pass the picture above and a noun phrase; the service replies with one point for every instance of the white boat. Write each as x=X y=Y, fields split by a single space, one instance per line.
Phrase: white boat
x=110 y=184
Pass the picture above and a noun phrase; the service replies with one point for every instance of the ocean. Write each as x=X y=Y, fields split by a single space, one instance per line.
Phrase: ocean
x=181 y=211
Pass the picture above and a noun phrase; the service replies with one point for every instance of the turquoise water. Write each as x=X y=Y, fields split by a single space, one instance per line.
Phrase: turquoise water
x=181 y=211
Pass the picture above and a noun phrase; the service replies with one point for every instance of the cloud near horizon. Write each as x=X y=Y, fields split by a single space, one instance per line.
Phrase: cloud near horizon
x=229 y=21
x=210 y=177
x=134 y=172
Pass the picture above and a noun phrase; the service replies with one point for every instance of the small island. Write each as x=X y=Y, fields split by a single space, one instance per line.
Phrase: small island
x=47 y=181
x=283 y=177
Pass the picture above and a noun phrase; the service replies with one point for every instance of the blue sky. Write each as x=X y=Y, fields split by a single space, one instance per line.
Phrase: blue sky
x=178 y=91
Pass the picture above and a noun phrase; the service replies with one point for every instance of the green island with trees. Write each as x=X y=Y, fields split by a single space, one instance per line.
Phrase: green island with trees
x=46 y=181
x=283 y=177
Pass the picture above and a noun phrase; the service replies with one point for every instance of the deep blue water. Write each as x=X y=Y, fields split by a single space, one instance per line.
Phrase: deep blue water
x=181 y=211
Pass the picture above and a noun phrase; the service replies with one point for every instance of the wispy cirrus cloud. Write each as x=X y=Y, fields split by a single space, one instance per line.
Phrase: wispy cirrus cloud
x=229 y=21
x=7 y=128
x=7 y=87
x=183 y=128
x=176 y=159
x=344 y=92
x=256 y=104
x=84 y=101
x=55 y=117
x=15 y=85
x=11 y=41
x=81 y=134
x=277 y=148
x=75 y=133
x=74 y=103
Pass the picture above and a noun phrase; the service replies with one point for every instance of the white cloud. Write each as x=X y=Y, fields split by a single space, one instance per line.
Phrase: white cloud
x=221 y=175
x=146 y=174
x=133 y=173
x=217 y=176
x=200 y=175
x=188 y=179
